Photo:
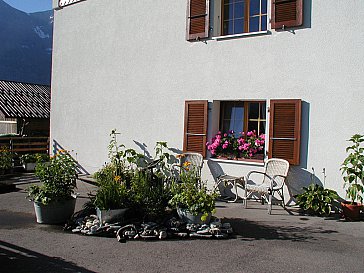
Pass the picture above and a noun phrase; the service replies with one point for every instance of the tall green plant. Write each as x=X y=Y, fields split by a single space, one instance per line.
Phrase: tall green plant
x=112 y=193
x=353 y=169
x=58 y=179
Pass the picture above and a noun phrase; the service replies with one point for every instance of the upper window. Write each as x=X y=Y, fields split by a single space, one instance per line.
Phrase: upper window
x=243 y=16
x=214 y=18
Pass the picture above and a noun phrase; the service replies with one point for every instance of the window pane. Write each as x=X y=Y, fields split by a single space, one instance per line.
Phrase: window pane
x=228 y=27
x=239 y=10
x=228 y=1
x=262 y=127
x=264 y=22
x=237 y=128
x=264 y=6
x=253 y=125
x=254 y=24
x=239 y=112
x=225 y=126
x=228 y=111
x=253 y=110
x=228 y=12
x=254 y=7
x=238 y=26
x=262 y=110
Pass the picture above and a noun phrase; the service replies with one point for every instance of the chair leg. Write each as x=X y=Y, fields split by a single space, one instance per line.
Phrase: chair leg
x=236 y=193
x=245 y=198
x=270 y=203
x=283 y=202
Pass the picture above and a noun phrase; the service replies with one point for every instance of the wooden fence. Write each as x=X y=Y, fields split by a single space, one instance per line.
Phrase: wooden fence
x=24 y=145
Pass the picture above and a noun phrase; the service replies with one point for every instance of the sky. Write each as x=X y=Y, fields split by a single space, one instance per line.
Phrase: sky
x=30 y=6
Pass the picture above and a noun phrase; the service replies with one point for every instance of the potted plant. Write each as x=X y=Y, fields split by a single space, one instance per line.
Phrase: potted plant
x=353 y=173
x=112 y=198
x=5 y=159
x=193 y=202
x=316 y=200
x=29 y=161
x=54 y=199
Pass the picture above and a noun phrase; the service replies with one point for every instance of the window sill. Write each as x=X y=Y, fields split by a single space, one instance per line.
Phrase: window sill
x=241 y=161
x=240 y=35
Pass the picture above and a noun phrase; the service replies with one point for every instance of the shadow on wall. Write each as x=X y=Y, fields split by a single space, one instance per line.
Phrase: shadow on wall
x=57 y=147
x=14 y=258
x=298 y=176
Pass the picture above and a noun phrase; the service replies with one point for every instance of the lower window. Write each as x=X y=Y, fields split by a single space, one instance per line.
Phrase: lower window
x=242 y=129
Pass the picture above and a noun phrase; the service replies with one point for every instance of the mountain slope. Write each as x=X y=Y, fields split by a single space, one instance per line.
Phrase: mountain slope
x=25 y=45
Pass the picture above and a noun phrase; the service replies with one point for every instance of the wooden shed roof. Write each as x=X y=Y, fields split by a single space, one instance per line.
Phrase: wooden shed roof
x=25 y=100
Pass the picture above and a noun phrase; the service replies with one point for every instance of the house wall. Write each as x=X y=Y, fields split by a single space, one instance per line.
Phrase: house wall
x=126 y=65
x=7 y=125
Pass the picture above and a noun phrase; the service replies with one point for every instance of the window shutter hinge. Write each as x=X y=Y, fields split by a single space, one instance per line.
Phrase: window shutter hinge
x=268 y=109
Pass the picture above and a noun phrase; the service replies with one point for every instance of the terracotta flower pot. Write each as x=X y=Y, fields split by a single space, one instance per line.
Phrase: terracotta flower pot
x=351 y=210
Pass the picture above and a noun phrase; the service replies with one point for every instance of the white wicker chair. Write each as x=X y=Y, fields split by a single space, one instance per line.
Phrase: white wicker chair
x=274 y=176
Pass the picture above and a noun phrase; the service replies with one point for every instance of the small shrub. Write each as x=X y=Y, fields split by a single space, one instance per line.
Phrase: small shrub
x=58 y=179
x=189 y=194
x=316 y=200
x=5 y=158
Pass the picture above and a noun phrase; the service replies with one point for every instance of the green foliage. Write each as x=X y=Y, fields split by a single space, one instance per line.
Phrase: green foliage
x=112 y=192
x=34 y=158
x=353 y=169
x=127 y=182
x=150 y=193
x=58 y=179
x=5 y=158
x=316 y=200
x=189 y=194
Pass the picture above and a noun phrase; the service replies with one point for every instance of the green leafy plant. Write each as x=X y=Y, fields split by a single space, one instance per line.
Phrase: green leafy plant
x=316 y=200
x=189 y=194
x=112 y=193
x=353 y=169
x=58 y=177
x=5 y=158
x=34 y=158
x=150 y=193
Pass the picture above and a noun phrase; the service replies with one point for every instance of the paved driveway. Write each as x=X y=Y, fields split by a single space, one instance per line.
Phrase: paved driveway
x=282 y=242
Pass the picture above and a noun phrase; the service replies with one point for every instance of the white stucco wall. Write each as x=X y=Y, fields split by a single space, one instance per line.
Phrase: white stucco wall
x=125 y=64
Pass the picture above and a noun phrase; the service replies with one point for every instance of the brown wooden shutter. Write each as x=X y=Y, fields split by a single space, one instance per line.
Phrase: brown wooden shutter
x=287 y=13
x=195 y=131
x=285 y=130
x=197 y=19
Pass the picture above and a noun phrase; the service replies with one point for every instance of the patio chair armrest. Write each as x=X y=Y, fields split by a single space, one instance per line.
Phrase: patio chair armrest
x=258 y=172
x=273 y=179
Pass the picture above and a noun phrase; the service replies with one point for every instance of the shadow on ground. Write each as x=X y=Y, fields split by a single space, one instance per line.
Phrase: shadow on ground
x=250 y=230
x=18 y=259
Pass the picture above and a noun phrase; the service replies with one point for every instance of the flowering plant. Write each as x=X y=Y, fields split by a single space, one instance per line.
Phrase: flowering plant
x=245 y=146
x=58 y=177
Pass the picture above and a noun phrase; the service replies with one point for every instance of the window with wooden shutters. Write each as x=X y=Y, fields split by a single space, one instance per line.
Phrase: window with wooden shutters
x=285 y=130
x=197 y=19
x=287 y=13
x=195 y=131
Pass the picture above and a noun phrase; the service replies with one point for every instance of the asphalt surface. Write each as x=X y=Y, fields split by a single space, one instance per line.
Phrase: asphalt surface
x=282 y=242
